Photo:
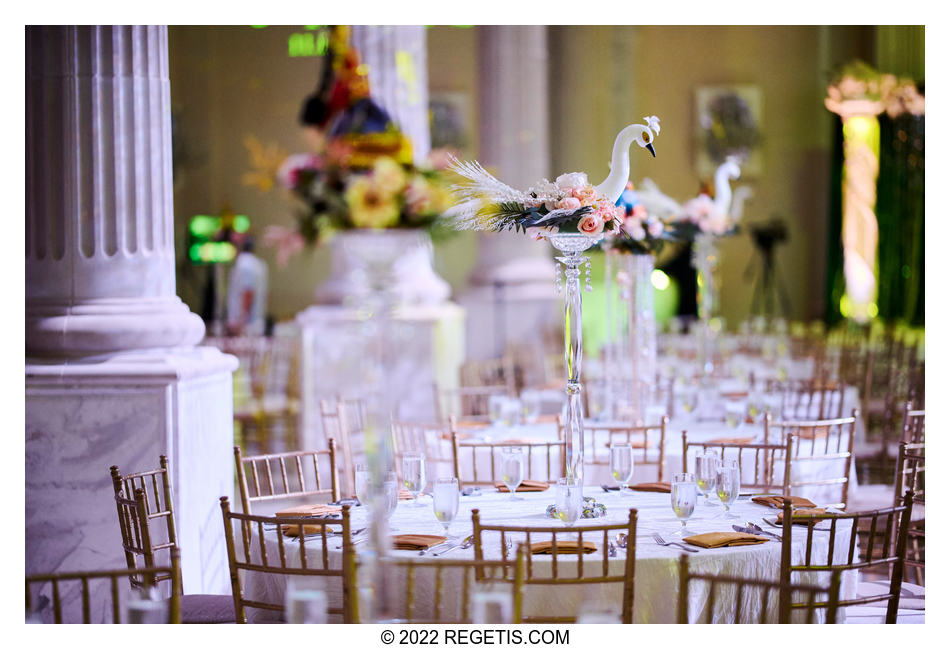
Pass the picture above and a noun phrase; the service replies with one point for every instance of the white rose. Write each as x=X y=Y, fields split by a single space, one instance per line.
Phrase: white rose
x=573 y=180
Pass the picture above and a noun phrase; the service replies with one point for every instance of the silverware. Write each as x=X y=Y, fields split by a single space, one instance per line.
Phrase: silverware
x=432 y=547
x=759 y=530
x=622 y=540
x=660 y=541
x=466 y=543
x=749 y=530
x=611 y=549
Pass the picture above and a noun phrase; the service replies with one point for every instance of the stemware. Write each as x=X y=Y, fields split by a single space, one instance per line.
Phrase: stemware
x=706 y=465
x=414 y=474
x=570 y=500
x=727 y=484
x=530 y=406
x=445 y=501
x=363 y=484
x=735 y=414
x=621 y=464
x=390 y=495
x=497 y=408
x=512 y=469
x=683 y=499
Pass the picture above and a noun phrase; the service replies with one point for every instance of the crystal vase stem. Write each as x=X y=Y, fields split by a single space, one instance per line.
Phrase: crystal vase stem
x=573 y=356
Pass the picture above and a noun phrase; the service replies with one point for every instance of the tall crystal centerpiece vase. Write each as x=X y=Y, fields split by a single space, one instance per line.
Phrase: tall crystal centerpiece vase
x=705 y=261
x=572 y=245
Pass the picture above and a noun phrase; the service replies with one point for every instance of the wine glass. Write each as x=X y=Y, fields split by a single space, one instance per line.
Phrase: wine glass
x=414 y=474
x=445 y=501
x=683 y=498
x=735 y=414
x=512 y=468
x=364 y=482
x=727 y=484
x=497 y=405
x=570 y=500
x=621 y=464
x=689 y=399
x=390 y=497
x=706 y=465
x=530 y=406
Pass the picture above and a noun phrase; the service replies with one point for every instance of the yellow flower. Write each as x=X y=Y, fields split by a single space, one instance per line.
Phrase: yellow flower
x=370 y=206
x=389 y=175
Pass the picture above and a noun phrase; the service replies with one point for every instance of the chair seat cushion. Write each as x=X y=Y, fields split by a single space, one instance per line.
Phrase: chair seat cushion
x=207 y=609
x=912 y=595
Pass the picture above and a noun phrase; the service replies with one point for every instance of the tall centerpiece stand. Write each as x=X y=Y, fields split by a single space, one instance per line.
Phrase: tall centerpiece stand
x=705 y=261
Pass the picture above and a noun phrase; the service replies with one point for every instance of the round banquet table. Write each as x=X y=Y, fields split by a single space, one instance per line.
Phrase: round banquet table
x=656 y=576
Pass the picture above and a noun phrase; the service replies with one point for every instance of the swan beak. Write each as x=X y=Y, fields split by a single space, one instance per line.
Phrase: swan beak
x=649 y=147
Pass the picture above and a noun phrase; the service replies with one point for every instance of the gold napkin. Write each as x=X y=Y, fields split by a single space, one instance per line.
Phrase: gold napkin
x=302 y=511
x=776 y=501
x=471 y=423
x=526 y=485
x=656 y=487
x=416 y=541
x=801 y=514
x=818 y=432
x=724 y=539
x=547 y=419
x=566 y=546
x=448 y=435
x=738 y=394
x=731 y=440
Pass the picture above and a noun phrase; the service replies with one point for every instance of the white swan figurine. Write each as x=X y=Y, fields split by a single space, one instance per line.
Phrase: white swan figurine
x=616 y=180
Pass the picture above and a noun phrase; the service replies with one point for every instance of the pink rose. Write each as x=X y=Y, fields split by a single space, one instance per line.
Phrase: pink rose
x=586 y=195
x=654 y=227
x=568 y=203
x=590 y=224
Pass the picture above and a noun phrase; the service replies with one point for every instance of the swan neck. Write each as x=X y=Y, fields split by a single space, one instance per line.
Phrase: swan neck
x=613 y=186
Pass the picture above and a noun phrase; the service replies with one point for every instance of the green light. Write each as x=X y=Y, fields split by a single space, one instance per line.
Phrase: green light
x=241 y=223
x=203 y=225
x=659 y=279
x=258 y=26
x=194 y=253
x=304 y=44
x=872 y=310
x=844 y=305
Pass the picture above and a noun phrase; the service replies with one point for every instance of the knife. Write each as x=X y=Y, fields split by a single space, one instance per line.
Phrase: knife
x=749 y=530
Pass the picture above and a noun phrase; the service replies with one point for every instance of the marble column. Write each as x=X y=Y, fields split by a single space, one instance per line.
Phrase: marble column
x=512 y=294
x=112 y=372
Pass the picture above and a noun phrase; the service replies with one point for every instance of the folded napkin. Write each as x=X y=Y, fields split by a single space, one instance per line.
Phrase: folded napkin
x=546 y=419
x=635 y=443
x=802 y=513
x=405 y=495
x=514 y=441
x=737 y=394
x=448 y=435
x=818 y=432
x=294 y=530
x=566 y=546
x=526 y=485
x=657 y=487
x=472 y=423
x=303 y=511
x=724 y=539
x=731 y=440
x=776 y=501
x=416 y=541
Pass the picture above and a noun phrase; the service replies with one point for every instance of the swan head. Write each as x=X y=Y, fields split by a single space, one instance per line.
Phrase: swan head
x=731 y=167
x=645 y=140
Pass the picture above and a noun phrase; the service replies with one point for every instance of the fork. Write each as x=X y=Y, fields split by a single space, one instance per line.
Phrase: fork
x=757 y=528
x=660 y=541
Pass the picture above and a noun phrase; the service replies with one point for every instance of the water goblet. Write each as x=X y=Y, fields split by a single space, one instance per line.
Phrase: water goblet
x=414 y=474
x=497 y=405
x=530 y=406
x=570 y=500
x=445 y=501
x=706 y=465
x=621 y=464
x=512 y=468
x=683 y=499
x=735 y=414
x=727 y=484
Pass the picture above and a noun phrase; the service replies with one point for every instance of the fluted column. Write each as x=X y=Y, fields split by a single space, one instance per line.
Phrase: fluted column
x=100 y=260
x=514 y=274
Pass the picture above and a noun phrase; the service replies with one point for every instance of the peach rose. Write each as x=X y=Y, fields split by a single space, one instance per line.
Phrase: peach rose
x=568 y=203
x=590 y=224
x=586 y=195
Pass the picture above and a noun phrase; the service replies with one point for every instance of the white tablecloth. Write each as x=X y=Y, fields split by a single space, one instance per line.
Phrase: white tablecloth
x=656 y=577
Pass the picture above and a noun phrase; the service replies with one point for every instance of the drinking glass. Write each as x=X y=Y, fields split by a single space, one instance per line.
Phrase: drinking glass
x=621 y=464
x=390 y=495
x=735 y=414
x=512 y=468
x=727 y=484
x=364 y=481
x=689 y=399
x=497 y=405
x=445 y=501
x=512 y=410
x=305 y=605
x=530 y=406
x=147 y=608
x=706 y=467
x=683 y=498
x=414 y=474
x=570 y=500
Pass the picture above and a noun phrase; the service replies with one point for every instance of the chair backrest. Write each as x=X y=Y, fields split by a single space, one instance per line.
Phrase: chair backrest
x=62 y=585
x=564 y=569
x=819 y=441
x=603 y=435
x=448 y=603
x=140 y=499
x=466 y=402
x=278 y=476
x=733 y=594
x=344 y=420
x=808 y=399
x=768 y=464
x=890 y=551
x=543 y=461
x=489 y=373
x=912 y=427
x=266 y=547
x=432 y=440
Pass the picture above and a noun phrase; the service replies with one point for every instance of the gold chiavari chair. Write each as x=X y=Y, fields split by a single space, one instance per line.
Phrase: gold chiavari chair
x=263 y=537
x=771 y=463
x=298 y=474
x=910 y=476
x=344 y=421
x=493 y=372
x=432 y=440
x=739 y=591
x=566 y=569
x=818 y=441
x=894 y=521
x=140 y=499
x=411 y=577
x=912 y=426
x=466 y=403
x=468 y=453
x=603 y=435
x=62 y=587
x=818 y=398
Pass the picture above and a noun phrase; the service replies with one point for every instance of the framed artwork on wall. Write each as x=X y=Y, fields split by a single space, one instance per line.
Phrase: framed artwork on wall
x=728 y=121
